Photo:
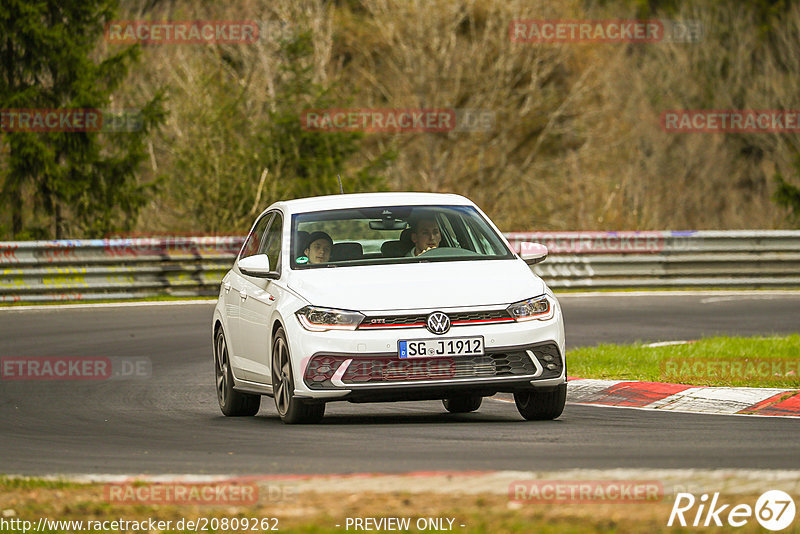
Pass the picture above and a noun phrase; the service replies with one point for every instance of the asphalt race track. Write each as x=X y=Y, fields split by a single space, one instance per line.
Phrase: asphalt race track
x=170 y=422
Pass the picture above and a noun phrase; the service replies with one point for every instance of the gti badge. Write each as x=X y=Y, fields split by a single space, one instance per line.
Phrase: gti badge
x=438 y=323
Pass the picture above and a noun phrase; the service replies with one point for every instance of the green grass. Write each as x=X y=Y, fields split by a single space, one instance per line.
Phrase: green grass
x=701 y=363
x=14 y=482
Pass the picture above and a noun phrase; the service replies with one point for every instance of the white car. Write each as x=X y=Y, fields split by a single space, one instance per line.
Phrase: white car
x=385 y=297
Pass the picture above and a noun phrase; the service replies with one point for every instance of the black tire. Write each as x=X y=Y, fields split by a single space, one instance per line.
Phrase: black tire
x=462 y=404
x=291 y=409
x=231 y=402
x=536 y=405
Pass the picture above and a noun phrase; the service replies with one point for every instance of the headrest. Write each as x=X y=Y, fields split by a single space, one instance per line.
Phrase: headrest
x=395 y=249
x=347 y=251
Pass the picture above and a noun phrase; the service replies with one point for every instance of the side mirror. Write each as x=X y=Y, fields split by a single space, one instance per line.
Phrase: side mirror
x=532 y=253
x=257 y=266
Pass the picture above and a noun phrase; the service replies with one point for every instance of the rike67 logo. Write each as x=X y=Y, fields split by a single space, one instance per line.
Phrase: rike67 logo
x=774 y=510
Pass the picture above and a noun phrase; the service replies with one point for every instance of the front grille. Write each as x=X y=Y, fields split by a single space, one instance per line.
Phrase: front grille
x=389 y=321
x=386 y=370
x=420 y=320
x=477 y=316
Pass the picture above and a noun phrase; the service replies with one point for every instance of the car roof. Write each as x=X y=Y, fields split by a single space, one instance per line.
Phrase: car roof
x=362 y=200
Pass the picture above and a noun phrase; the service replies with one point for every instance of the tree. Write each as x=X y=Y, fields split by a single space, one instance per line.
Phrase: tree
x=67 y=182
x=787 y=195
x=311 y=160
x=237 y=153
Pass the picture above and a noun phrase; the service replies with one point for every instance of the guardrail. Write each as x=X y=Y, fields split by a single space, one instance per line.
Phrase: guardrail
x=114 y=268
x=193 y=266
x=737 y=258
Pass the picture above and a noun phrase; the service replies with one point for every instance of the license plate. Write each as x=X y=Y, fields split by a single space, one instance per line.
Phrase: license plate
x=432 y=348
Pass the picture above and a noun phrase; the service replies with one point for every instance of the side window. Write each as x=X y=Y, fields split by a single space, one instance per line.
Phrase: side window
x=254 y=242
x=272 y=243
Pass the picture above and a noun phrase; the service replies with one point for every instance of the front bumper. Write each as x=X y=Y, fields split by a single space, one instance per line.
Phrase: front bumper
x=429 y=391
x=328 y=371
x=363 y=365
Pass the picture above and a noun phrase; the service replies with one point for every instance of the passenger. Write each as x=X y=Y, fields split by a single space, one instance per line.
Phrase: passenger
x=425 y=235
x=319 y=247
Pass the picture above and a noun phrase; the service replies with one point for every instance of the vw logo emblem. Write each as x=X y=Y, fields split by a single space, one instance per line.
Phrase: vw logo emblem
x=438 y=323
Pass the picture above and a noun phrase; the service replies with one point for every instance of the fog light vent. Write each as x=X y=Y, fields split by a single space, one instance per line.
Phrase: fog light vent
x=549 y=358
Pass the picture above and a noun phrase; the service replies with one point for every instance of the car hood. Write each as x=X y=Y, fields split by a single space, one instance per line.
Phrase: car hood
x=418 y=285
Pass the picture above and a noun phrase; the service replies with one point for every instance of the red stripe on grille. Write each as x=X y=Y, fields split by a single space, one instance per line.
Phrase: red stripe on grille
x=390 y=325
x=501 y=319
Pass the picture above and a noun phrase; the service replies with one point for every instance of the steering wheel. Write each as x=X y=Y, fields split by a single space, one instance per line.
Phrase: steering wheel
x=442 y=252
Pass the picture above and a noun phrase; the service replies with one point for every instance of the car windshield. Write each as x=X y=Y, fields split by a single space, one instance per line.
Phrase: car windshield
x=393 y=234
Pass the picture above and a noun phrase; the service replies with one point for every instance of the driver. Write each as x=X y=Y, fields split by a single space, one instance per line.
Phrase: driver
x=425 y=235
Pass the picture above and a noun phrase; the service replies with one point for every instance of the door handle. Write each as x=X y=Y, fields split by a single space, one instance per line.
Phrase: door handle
x=227 y=287
x=243 y=295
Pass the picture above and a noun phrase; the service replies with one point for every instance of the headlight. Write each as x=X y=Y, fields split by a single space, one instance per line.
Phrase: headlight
x=536 y=308
x=321 y=319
